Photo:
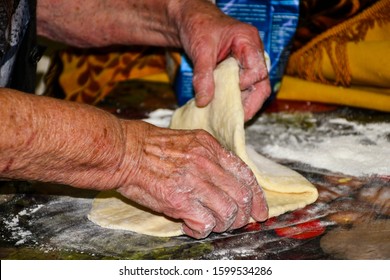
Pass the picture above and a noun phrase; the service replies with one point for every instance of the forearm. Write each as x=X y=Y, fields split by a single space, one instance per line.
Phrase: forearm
x=92 y=23
x=57 y=141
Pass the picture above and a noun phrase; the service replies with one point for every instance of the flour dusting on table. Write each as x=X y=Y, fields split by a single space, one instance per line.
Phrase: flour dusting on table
x=334 y=144
x=19 y=234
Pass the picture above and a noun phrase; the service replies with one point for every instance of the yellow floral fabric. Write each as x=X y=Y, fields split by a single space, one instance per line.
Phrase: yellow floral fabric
x=89 y=76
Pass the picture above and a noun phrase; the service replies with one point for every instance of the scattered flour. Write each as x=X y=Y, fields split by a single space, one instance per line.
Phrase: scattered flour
x=12 y=223
x=160 y=117
x=336 y=145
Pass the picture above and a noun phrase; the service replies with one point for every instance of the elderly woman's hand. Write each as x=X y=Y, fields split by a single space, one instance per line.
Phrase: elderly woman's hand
x=188 y=175
x=209 y=36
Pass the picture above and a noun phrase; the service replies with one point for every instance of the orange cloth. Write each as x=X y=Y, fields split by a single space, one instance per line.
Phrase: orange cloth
x=88 y=76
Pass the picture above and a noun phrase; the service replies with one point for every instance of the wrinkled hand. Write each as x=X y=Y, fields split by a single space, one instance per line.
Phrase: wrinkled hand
x=187 y=175
x=208 y=37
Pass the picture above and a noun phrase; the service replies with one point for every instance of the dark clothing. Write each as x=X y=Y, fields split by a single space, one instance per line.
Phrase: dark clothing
x=19 y=53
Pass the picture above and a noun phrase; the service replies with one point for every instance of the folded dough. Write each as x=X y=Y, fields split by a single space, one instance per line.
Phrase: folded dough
x=285 y=189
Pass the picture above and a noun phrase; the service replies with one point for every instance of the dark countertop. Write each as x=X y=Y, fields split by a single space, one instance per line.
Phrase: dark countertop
x=350 y=220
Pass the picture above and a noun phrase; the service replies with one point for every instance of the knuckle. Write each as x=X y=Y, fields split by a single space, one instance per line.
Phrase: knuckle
x=227 y=216
x=202 y=135
x=198 y=158
x=230 y=212
x=252 y=29
x=202 y=146
x=176 y=200
x=246 y=196
x=208 y=223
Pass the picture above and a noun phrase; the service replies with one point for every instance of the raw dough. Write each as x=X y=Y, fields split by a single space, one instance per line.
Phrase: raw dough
x=111 y=210
x=284 y=188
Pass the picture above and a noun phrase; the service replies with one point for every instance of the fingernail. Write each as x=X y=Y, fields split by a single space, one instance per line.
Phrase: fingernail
x=201 y=99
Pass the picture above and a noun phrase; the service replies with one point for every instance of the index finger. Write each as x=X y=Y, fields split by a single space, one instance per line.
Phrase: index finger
x=258 y=203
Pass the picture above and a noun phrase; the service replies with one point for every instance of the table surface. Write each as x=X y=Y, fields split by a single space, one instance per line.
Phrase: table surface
x=350 y=219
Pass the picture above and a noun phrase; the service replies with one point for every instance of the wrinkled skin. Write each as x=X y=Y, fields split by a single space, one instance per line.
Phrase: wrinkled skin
x=188 y=175
x=183 y=174
x=211 y=37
